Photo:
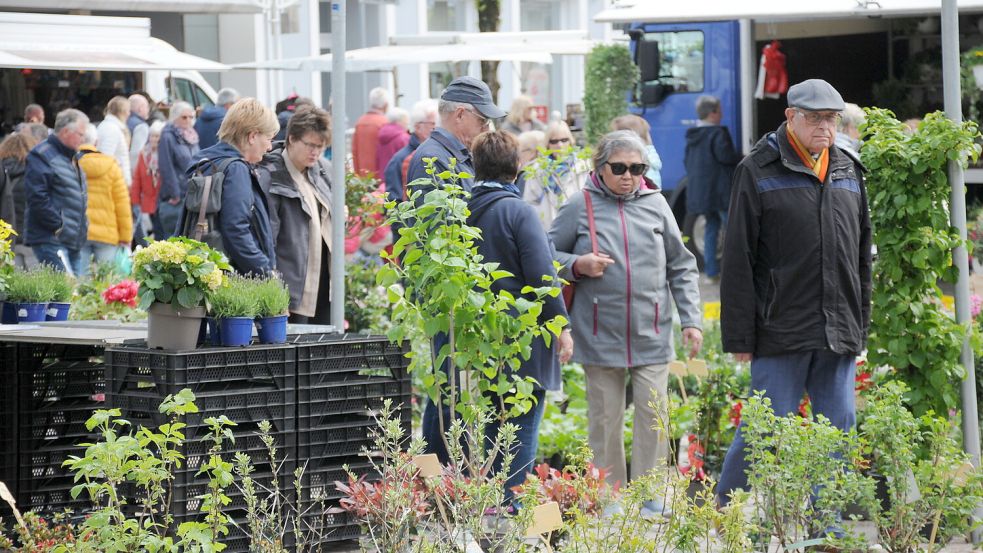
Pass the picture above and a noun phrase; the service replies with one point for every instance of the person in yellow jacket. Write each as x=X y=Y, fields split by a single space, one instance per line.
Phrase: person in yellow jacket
x=108 y=208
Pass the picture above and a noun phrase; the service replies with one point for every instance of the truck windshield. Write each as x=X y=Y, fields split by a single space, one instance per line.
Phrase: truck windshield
x=681 y=60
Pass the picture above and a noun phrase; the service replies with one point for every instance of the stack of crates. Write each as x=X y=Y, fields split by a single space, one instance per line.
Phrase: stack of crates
x=54 y=388
x=341 y=386
x=247 y=385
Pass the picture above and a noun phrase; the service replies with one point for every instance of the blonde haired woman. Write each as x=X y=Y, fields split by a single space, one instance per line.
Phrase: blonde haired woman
x=244 y=221
x=522 y=117
x=551 y=184
x=114 y=135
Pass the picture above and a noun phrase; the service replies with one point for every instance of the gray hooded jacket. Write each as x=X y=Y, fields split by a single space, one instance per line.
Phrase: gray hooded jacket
x=624 y=318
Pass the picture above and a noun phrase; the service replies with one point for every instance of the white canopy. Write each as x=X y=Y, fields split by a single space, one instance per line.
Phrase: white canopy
x=171 y=6
x=769 y=10
x=43 y=41
x=444 y=47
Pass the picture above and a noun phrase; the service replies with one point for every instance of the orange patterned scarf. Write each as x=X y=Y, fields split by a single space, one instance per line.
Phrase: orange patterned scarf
x=819 y=166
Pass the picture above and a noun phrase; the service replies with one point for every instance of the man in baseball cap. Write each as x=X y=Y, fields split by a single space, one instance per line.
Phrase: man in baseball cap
x=465 y=109
x=796 y=281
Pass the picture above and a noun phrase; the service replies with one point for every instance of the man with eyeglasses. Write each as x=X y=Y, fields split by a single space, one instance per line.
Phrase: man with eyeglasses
x=55 y=222
x=796 y=282
x=465 y=109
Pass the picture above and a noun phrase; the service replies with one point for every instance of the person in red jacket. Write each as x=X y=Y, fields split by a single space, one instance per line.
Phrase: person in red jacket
x=146 y=179
x=365 y=143
x=393 y=136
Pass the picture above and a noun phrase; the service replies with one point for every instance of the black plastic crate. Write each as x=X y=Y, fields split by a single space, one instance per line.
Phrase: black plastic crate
x=332 y=358
x=340 y=436
x=210 y=370
x=246 y=408
x=56 y=423
x=48 y=374
x=9 y=415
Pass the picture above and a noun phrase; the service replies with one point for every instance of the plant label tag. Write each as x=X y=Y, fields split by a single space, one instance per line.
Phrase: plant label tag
x=677 y=368
x=961 y=475
x=697 y=367
x=428 y=464
x=545 y=518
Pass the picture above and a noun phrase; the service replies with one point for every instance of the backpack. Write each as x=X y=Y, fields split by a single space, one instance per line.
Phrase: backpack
x=203 y=202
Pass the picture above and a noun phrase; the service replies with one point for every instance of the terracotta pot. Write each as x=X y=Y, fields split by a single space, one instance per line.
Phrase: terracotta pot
x=173 y=329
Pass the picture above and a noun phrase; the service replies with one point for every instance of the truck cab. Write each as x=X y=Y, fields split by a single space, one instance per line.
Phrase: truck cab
x=678 y=63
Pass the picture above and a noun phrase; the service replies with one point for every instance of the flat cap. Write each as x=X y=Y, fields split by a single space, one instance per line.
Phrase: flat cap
x=815 y=95
x=469 y=90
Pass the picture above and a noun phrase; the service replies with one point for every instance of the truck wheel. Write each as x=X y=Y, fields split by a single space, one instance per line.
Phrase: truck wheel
x=694 y=229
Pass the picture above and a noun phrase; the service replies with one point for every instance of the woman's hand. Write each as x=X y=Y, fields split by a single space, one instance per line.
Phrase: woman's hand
x=566 y=346
x=591 y=265
x=693 y=337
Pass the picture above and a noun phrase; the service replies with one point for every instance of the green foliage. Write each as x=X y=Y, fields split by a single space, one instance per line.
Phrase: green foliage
x=909 y=194
x=236 y=298
x=609 y=77
x=39 y=284
x=6 y=255
x=563 y=430
x=940 y=490
x=179 y=271
x=146 y=458
x=442 y=286
x=272 y=297
x=89 y=303
x=39 y=535
x=364 y=201
x=367 y=306
x=788 y=456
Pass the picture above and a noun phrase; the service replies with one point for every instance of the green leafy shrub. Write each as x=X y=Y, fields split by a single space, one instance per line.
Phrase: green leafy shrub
x=367 y=306
x=60 y=285
x=608 y=78
x=938 y=491
x=236 y=298
x=272 y=297
x=179 y=271
x=909 y=190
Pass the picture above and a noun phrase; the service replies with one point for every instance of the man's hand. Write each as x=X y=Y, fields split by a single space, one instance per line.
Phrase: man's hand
x=742 y=357
x=566 y=346
x=591 y=265
x=693 y=337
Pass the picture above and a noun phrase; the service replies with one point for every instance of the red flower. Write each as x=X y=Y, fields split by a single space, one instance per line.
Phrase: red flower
x=804 y=407
x=735 y=413
x=123 y=292
x=863 y=381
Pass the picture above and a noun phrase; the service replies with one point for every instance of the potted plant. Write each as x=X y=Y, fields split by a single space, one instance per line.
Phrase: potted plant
x=9 y=312
x=234 y=306
x=272 y=301
x=60 y=287
x=28 y=292
x=175 y=277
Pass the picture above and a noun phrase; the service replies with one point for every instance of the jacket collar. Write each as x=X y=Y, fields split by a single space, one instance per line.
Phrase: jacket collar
x=451 y=143
x=61 y=148
x=775 y=146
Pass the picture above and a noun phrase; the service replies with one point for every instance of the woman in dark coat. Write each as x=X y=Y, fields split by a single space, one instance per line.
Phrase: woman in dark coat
x=295 y=179
x=513 y=237
x=178 y=145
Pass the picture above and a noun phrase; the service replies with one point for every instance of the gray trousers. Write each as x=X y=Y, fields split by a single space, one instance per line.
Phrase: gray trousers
x=606 y=413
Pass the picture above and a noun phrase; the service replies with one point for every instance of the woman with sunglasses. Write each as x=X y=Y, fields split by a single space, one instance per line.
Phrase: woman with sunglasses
x=619 y=243
x=550 y=182
x=178 y=145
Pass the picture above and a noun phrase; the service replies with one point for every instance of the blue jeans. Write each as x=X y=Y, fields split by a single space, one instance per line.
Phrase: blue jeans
x=714 y=221
x=96 y=252
x=169 y=217
x=525 y=446
x=48 y=253
x=828 y=377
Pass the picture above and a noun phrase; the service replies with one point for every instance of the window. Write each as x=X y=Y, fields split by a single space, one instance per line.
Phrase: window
x=443 y=15
x=201 y=99
x=680 y=60
x=181 y=91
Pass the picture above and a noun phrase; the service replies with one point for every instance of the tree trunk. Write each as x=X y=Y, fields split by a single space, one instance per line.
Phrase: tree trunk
x=489 y=20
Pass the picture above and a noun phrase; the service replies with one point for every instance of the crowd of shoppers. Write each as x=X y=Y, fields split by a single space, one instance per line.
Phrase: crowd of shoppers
x=77 y=192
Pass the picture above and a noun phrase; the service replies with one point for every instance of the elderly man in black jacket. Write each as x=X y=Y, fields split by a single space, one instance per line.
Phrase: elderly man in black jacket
x=795 y=289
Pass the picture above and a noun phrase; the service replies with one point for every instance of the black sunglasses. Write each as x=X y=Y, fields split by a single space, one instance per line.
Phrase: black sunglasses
x=635 y=169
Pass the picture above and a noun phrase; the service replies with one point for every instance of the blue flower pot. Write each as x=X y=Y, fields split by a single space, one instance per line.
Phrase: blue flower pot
x=9 y=314
x=214 y=332
x=272 y=330
x=31 y=312
x=57 y=311
x=236 y=331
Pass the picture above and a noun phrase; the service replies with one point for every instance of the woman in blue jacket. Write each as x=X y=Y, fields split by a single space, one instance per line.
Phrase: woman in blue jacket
x=178 y=145
x=243 y=220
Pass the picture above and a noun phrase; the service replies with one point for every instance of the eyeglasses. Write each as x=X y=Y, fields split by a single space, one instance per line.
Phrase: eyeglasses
x=564 y=140
x=636 y=169
x=815 y=118
x=312 y=147
x=483 y=121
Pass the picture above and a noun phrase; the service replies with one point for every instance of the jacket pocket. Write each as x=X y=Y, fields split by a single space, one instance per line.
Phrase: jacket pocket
x=655 y=322
x=772 y=295
x=595 y=316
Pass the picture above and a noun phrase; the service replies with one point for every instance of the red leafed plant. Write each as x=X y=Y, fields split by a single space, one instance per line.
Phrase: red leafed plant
x=569 y=488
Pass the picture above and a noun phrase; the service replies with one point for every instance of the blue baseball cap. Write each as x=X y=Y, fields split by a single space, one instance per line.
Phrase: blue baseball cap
x=469 y=90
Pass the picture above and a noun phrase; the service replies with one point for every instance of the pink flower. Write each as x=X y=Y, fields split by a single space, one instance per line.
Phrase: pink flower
x=975 y=305
x=123 y=292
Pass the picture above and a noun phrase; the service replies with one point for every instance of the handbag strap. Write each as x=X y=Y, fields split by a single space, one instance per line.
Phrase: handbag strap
x=590 y=221
x=201 y=227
